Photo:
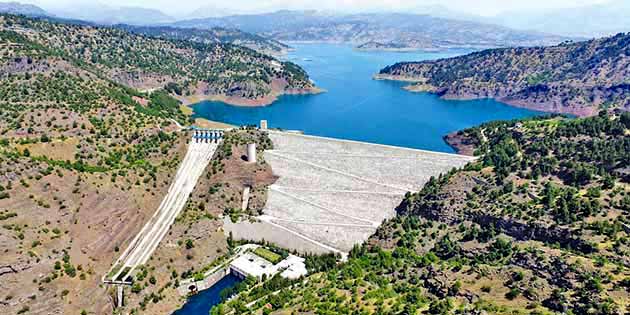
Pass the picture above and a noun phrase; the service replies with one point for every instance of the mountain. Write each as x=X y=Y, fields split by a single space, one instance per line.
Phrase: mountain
x=108 y=15
x=442 y=11
x=210 y=11
x=191 y=69
x=576 y=78
x=406 y=30
x=22 y=9
x=587 y=21
x=86 y=158
x=213 y=35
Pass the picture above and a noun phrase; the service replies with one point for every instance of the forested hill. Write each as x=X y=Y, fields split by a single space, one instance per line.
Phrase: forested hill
x=85 y=161
x=190 y=68
x=538 y=225
x=576 y=78
x=213 y=35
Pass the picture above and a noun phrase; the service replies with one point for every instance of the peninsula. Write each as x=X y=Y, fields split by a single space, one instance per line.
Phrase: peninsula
x=572 y=78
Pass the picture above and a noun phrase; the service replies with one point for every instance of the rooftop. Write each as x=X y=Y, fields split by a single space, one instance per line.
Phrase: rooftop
x=253 y=265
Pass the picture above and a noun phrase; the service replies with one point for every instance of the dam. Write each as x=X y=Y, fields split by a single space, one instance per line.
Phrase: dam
x=332 y=194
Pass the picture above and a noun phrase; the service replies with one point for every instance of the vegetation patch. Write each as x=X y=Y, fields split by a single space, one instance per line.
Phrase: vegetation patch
x=268 y=255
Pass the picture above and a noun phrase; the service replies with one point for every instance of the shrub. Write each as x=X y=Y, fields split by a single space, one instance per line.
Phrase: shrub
x=512 y=294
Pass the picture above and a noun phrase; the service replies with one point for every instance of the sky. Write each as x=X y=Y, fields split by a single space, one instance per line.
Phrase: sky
x=182 y=7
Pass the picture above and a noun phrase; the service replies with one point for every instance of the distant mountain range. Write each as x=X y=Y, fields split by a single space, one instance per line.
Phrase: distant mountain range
x=108 y=15
x=401 y=30
x=578 y=78
x=208 y=11
x=131 y=19
x=422 y=27
x=591 y=21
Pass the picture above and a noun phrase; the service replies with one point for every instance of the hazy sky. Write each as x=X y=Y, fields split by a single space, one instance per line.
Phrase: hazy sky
x=180 y=7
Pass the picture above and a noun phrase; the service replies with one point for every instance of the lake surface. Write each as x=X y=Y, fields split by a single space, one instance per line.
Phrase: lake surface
x=202 y=303
x=356 y=107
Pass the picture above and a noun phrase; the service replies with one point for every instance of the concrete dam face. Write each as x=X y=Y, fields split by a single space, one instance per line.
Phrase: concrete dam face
x=332 y=194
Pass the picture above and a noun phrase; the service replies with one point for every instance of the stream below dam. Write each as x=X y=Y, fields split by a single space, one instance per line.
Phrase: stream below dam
x=202 y=302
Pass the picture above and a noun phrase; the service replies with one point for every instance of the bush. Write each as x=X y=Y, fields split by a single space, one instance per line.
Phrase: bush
x=189 y=244
x=512 y=294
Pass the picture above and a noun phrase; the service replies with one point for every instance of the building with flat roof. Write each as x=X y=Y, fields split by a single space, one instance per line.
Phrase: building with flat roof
x=294 y=267
x=250 y=264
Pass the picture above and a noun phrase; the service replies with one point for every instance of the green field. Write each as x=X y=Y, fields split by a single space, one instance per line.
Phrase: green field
x=267 y=254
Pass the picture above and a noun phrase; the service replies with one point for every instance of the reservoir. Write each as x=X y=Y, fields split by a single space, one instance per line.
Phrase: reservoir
x=356 y=107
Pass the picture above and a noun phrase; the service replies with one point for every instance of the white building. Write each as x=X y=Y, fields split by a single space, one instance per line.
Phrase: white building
x=250 y=264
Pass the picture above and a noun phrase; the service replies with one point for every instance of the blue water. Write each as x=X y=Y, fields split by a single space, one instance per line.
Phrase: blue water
x=356 y=107
x=201 y=303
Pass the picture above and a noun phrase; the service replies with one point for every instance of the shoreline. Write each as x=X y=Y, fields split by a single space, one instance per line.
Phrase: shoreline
x=456 y=141
x=243 y=102
x=400 y=50
x=355 y=46
x=188 y=101
x=418 y=85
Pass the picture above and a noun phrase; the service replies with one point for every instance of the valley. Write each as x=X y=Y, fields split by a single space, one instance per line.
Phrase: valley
x=382 y=158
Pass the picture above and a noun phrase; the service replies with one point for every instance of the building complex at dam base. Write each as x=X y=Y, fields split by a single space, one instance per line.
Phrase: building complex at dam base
x=333 y=194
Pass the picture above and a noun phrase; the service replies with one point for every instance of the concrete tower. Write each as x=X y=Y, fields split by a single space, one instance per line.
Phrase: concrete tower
x=251 y=153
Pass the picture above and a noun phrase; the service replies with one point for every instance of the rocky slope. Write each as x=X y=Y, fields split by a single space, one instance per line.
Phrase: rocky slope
x=576 y=78
x=213 y=35
x=236 y=74
x=408 y=30
x=538 y=225
x=84 y=163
